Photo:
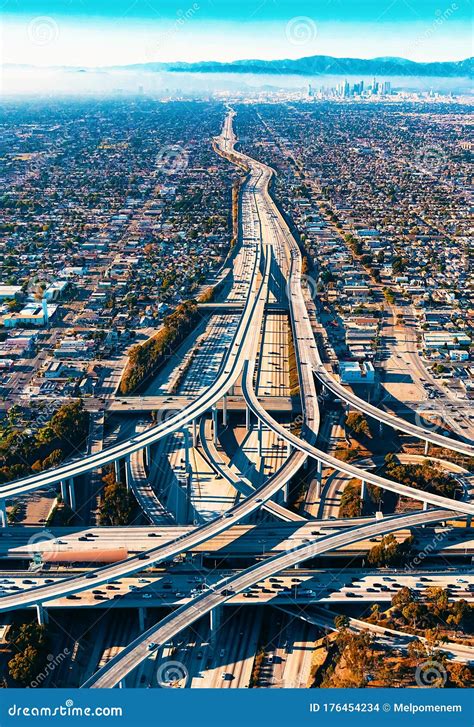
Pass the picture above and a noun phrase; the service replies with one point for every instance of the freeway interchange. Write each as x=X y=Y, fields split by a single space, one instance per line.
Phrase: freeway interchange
x=272 y=257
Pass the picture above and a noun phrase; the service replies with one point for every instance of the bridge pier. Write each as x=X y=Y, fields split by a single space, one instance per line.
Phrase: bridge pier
x=427 y=446
x=117 y=470
x=363 y=490
x=214 y=424
x=141 y=618
x=147 y=456
x=186 y=450
x=128 y=472
x=72 y=494
x=259 y=437
x=224 y=410
x=195 y=434
x=215 y=620
x=64 y=492
x=318 y=488
x=3 y=514
x=247 y=418
x=41 y=614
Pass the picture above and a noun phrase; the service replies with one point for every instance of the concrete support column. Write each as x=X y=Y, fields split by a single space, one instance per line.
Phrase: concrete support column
x=468 y=521
x=195 y=434
x=215 y=617
x=147 y=456
x=41 y=614
x=288 y=449
x=427 y=446
x=141 y=619
x=247 y=418
x=214 y=424
x=285 y=492
x=128 y=473
x=186 y=450
x=425 y=507
x=3 y=514
x=363 y=490
x=259 y=437
x=224 y=411
x=72 y=494
x=64 y=492
x=318 y=489
x=117 y=470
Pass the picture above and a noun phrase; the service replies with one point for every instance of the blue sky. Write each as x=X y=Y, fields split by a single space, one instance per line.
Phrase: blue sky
x=104 y=32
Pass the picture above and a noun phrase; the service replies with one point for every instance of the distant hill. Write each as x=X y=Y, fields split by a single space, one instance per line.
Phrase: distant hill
x=310 y=66
x=320 y=65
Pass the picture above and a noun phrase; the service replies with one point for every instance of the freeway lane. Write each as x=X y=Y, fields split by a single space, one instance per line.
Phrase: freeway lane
x=337 y=464
x=118 y=668
x=230 y=370
x=239 y=481
x=347 y=394
x=247 y=342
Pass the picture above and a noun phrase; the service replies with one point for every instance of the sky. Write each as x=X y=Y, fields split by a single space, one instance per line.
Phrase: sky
x=119 y=32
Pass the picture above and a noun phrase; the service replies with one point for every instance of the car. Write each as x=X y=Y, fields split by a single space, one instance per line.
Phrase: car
x=152 y=645
x=147 y=595
x=91 y=575
x=143 y=556
x=227 y=592
x=154 y=535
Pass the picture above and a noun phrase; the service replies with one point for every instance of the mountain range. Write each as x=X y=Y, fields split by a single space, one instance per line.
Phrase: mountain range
x=318 y=65
x=309 y=66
